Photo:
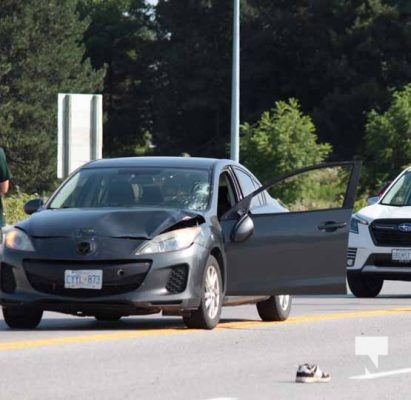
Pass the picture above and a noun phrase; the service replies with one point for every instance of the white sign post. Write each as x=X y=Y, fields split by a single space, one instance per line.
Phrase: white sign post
x=80 y=134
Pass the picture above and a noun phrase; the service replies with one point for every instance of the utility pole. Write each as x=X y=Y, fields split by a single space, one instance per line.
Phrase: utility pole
x=235 y=88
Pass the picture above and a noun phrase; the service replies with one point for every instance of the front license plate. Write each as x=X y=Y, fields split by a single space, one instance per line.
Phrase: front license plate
x=83 y=279
x=401 y=255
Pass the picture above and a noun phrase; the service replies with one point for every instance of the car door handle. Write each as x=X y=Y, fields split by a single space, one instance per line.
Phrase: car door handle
x=331 y=226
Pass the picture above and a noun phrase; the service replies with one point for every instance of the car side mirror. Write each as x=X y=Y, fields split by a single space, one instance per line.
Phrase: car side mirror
x=372 y=200
x=243 y=229
x=33 y=205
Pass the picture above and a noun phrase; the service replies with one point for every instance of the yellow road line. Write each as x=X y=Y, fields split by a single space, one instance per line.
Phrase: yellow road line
x=101 y=337
x=88 y=338
x=317 y=317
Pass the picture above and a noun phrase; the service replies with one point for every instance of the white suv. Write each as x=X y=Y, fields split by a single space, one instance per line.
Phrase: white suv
x=379 y=245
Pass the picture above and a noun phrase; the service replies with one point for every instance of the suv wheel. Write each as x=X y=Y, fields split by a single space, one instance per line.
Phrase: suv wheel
x=22 y=317
x=275 y=308
x=364 y=287
x=207 y=315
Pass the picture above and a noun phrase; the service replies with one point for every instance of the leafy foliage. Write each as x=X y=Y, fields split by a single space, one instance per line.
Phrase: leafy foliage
x=314 y=189
x=165 y=73
x=339 y=58
x=388 y=140
x=282 y=140
x=13 y=207
x=191 y=90
x=40 y=55
x=120 y=37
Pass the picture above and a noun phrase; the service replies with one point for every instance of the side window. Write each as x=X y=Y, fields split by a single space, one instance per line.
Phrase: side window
x=226 y=194
x=261 y=197
x=248 y=185
x=319 y=188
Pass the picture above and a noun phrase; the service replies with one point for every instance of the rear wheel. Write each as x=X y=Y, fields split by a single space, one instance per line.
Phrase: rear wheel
x=365 y=287
x=275 y=308
x=207 y=315
x=18 y=317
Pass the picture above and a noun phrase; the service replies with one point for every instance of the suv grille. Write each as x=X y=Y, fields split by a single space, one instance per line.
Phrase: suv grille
x=385 y=260
x=387 y=232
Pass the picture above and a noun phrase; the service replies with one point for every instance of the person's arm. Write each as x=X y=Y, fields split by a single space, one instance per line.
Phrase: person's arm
x=5 y=174
x=4 y=186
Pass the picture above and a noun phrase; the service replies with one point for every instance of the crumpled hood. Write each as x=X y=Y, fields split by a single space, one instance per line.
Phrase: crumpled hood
x=141 y=223
x=379 y=211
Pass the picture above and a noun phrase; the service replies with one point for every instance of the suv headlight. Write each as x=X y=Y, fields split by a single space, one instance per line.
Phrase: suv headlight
x=170 y=241
x=355 y=220
x=18 y=240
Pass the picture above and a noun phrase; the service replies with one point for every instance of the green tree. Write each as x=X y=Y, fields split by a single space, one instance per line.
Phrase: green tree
x=169 y=67
x=339 y=58
x=40 y=55
x=191 y=99
x=388 y=140
x=282 y=140
x=121 y=37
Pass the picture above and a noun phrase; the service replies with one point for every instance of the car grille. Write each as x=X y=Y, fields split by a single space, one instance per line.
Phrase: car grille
x=118 y=277
x=387 y=233
x=177 y=281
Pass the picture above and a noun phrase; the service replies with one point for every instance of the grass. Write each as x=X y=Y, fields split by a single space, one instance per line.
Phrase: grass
x=13 y=207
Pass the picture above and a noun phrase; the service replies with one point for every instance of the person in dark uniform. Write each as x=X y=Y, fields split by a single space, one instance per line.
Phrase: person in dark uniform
x=5 y=177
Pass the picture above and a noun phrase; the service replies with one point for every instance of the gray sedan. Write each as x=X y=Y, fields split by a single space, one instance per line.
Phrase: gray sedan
x=180 y=236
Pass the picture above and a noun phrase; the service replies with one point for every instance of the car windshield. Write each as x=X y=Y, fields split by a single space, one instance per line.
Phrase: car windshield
x=135 y=187
x=400 y=192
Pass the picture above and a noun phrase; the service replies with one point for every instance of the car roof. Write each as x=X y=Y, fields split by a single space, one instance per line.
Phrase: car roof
x=155 y=161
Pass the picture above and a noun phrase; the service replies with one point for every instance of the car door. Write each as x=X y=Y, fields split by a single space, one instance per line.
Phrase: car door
x=301 y=251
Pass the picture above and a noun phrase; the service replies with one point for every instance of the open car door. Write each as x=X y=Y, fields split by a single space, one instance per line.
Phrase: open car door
x=302 y=251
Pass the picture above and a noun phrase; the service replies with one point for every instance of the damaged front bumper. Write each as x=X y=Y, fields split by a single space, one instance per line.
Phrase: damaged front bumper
x=168 y=282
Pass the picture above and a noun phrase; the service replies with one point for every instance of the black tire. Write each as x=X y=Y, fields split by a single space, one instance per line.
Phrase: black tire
x=208 y=313
x=107 y=317
x=365 y=287
x=275 y=308
x=22 y=317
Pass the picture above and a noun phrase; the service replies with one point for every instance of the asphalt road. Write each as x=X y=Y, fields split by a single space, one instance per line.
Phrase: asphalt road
x=243 y=358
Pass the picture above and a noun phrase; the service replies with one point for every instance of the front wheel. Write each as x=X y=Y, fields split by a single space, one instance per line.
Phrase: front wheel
x=364 y=287
x=18 y=317
x=208 y=313
x=275 y=308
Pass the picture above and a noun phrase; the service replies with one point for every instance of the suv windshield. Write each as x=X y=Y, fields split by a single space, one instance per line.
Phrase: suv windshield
x=135 y=187
x=400 y=193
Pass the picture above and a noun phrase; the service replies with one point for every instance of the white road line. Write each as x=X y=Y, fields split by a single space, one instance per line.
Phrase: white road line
x=383 y=374
x=224 y=398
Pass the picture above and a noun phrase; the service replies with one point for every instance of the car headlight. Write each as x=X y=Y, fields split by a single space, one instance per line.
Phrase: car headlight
x=18 y=240
x=170 y=241
x=355 y=220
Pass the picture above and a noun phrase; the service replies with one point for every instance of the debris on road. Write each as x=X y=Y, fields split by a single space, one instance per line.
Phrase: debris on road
x=311 y=373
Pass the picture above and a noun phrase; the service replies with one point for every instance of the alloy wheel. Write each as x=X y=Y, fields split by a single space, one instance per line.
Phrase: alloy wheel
x=284 y=300
x=212 y=292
